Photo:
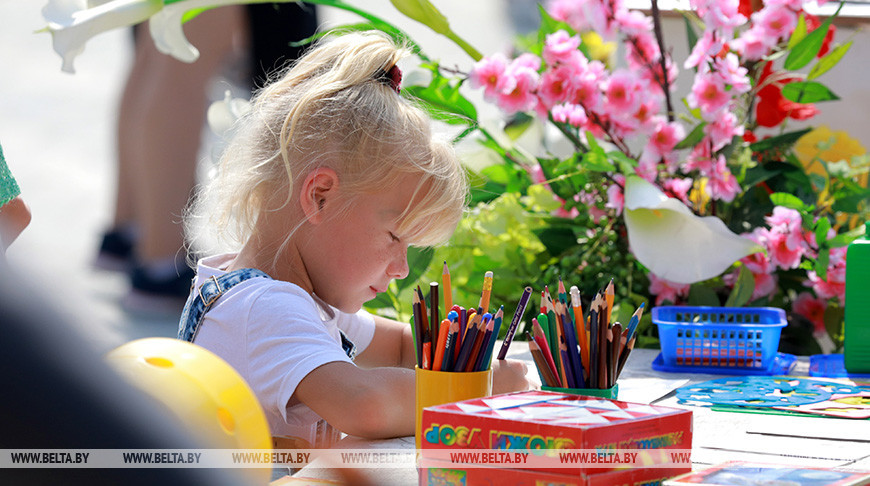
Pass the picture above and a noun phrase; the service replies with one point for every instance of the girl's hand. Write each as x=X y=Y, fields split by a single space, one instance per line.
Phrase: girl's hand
x=509 y=375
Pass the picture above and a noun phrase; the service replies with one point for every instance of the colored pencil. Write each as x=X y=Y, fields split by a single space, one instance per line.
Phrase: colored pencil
x=515 y=321
x=427 y=352
x=441 y=344
x=609 y=294
x=616 y=335
x=543 y=369
x=434 y=314
x=465 y=351
x=417 y=331
x=566 y=367
x=602 y=347
x=496 y=326
x=624 y=356
x=541 y=340
x=580 y=329
x=486 y=292
x=573 y=352
x=635 y=319
x=480 y=364
x=452 y=339
x=478 y=341
x=448 y=291
x=593 y=341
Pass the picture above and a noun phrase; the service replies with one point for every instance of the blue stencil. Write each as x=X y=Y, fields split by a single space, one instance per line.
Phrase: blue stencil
x=762 y=391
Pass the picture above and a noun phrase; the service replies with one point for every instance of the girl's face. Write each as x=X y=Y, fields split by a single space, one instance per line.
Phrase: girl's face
x=353 y=256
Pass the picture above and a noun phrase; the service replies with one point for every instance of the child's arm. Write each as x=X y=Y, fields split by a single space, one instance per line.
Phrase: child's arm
x=372 y=403
x=392 y=345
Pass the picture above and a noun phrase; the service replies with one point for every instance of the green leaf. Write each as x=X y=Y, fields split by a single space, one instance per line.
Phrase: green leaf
x=692 y=138
x=556 y=239
x=822 y=227
x=800 y=31
x=844 y=239
x=808 y=92
x=702 y=295
x=743 y=289
x=829 y=60
x=780 y=141
x=691 y=35
x=424 y=12
x=821 y=265
x=809 y=46
x=787 y=200
x=444 y=101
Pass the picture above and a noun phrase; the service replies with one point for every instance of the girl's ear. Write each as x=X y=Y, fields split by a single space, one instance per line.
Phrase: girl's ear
x=319 y=188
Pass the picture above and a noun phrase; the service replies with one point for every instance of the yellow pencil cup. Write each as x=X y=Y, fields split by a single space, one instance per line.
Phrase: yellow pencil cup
x=592 y=392
x=439 y=387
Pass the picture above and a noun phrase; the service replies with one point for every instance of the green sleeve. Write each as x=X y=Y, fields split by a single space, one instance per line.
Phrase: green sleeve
x=8 y=187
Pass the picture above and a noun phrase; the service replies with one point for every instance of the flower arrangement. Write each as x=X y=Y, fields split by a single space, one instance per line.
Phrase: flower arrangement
x=709 y=199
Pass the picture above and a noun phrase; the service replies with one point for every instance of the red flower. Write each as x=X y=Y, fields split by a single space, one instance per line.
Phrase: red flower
x=772 y=107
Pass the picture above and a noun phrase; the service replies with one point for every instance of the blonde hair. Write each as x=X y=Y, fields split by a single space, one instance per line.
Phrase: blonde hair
x=330 y=109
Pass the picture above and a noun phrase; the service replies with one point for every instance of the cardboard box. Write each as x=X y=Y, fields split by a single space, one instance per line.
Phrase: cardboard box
x=445 y=474
x=546 y=422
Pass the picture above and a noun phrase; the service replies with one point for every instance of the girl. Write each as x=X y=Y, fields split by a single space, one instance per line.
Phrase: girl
x=328 y=180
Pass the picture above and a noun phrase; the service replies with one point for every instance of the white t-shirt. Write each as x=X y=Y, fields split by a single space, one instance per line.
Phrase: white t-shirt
x=274 y=333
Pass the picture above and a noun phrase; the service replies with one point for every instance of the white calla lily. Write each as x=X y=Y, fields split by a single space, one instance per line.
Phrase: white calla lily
x=675 y=244
x=166 y=26
x=73 y=22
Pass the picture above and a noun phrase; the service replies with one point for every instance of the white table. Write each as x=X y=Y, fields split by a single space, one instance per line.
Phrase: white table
x=717 y=436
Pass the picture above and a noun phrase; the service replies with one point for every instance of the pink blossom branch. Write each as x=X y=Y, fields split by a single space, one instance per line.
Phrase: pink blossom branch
x=657 y=28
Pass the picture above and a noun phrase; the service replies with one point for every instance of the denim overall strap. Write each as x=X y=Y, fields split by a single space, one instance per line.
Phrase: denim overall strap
x=198 y=303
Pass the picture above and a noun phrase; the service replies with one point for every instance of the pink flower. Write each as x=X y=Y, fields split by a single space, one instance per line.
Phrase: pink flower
x=623 y=93
x=633 y=23
x=678 y=188
x=775 y=22
x=722 y=184
x=813 y=309
x=560 y=48
x=732 y=73
x=707 y=46
x=574 y=115
x=665 y=138
x=724 y=128
x=615 y=195
x=834 y=285
x=665 y=290
x=516 y=88
x=699 y=159
x=760 y=266
x=580 y=15
x=784 y=240
x=708 y=94
x=723 y=15
x=753 y=44
x=487 y=73
x=557 y=85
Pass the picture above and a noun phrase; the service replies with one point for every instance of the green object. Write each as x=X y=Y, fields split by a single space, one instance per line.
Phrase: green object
x=592 y=392
x=856 y=347
x=9 y=189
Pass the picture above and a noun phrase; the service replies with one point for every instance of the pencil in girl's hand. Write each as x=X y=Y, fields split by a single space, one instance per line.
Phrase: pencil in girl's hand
x=441 y=344
x=448 y=291
x=515 y=321
x=543 y=369
x=486 y=292
x=496 y=326
x=609 y=294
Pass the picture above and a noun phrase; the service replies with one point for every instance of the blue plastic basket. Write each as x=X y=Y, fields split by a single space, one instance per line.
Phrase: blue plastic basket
x=740 y=338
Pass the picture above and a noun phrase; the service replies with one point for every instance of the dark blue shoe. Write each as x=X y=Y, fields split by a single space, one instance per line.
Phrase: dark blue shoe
x=116 y=251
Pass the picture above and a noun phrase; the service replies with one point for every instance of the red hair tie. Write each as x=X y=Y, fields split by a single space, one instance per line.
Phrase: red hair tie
x=391 y=78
